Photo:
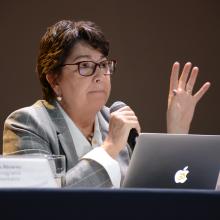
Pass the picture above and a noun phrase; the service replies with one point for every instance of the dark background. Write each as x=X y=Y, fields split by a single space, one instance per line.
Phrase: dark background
x=146 y=38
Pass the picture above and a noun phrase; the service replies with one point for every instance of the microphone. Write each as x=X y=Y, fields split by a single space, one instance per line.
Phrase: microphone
x=133 y=132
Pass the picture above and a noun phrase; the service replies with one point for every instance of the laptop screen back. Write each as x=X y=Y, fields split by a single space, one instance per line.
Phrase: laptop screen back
x=174 y=161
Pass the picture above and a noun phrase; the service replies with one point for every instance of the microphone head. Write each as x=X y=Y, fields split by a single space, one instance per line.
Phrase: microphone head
x=116 y=105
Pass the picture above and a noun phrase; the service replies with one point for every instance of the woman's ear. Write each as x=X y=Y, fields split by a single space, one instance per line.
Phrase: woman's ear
x=52 y=79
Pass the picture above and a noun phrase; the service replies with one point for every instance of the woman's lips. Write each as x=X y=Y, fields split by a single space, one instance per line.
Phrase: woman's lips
x=97 y=91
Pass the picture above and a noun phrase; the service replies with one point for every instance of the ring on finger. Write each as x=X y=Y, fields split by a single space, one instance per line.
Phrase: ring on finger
x=174 y=92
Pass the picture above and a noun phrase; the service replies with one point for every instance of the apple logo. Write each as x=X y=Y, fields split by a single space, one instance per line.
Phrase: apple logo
x=180 y=176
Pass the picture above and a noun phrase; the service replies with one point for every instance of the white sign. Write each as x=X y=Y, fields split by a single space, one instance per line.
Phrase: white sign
x=34 y=172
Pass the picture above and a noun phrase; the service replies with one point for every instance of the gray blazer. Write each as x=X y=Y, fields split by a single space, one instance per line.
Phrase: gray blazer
x=42 y=129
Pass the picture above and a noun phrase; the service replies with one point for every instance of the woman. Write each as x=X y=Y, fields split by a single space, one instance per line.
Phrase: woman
x=74 y=72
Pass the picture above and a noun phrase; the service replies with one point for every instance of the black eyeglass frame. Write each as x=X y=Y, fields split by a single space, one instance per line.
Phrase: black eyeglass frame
x=114 y=62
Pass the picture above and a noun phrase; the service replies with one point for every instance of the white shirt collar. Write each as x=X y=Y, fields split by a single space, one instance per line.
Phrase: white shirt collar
x=81 y=143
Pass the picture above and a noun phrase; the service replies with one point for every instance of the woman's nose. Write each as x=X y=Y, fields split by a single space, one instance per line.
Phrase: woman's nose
x=99 y=74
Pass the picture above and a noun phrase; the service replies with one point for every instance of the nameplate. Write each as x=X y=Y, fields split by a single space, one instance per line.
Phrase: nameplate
x=16 y=172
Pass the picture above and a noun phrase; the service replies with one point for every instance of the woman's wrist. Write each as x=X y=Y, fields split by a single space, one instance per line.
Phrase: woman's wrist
x=109 y=148
x=171 y=129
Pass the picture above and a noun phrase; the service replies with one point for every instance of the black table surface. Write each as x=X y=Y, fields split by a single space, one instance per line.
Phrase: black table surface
x=109 y=204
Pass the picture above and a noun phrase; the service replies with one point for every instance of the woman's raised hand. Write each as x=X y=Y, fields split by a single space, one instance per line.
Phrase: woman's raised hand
x=181 y=100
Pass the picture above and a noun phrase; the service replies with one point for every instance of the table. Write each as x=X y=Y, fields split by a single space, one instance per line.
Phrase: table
x=112 y=203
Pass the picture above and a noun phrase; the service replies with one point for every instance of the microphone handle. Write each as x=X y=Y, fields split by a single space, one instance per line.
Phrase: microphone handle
x=132 y=138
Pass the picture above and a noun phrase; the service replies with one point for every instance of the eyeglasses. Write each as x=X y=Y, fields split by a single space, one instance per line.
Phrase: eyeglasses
x=88 y=68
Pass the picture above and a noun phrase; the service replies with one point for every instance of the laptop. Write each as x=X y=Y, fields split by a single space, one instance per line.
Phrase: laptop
x=174 y=161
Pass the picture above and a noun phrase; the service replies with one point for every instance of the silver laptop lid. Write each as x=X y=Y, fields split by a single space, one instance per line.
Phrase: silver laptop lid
x=174 y=161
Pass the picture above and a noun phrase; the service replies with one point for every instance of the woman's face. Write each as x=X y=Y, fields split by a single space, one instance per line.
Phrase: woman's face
x=80 y=91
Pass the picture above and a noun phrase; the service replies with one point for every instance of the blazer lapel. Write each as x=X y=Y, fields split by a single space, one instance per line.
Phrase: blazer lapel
x=63 y=134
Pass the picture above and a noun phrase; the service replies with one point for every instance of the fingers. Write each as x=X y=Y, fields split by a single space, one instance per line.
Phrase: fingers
x=128 y=117
x=202 y=91
x=138 y=128
x=186 y=81
x=184 y=76
x=174 y=77
x=127 y=113
x=191 y=82
x=133 y=124
x=126 y=110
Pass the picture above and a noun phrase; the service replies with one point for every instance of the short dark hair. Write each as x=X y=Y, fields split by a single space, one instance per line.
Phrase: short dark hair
x=56 y=43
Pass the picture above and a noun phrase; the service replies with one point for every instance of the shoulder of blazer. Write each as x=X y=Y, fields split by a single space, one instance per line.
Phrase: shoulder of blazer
x=40 y=114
